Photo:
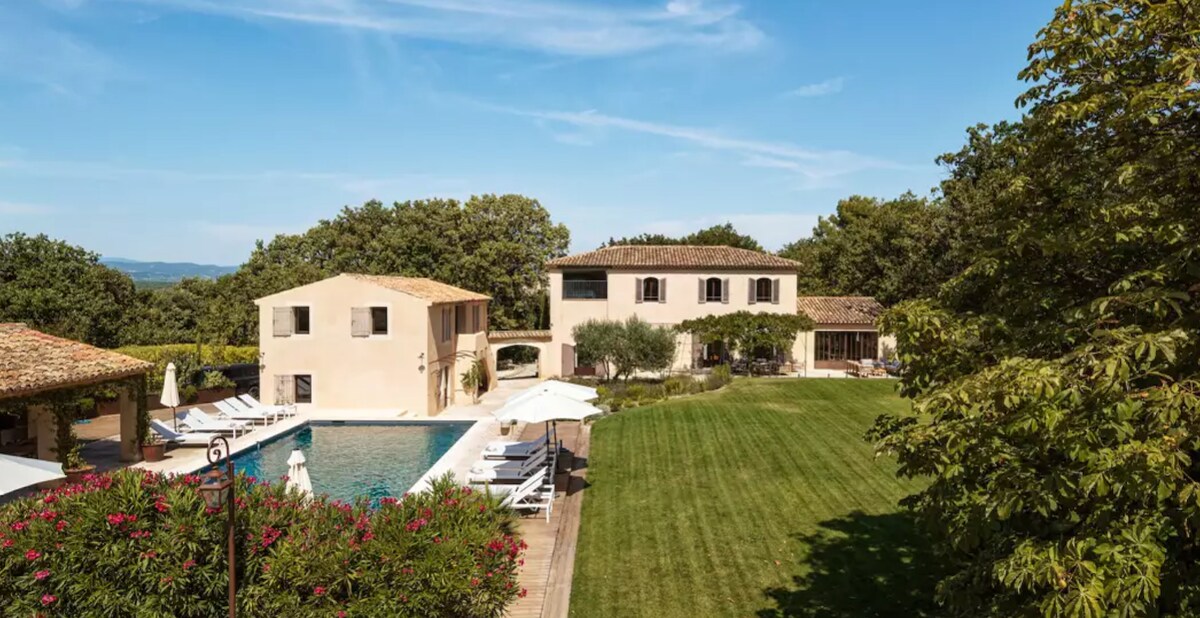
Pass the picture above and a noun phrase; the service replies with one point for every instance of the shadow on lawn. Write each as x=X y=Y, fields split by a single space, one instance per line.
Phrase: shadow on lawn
x=861 y=565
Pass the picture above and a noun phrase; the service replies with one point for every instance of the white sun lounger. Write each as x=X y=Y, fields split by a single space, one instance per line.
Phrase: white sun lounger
x=509 y=463
x=197 y=420
x=521 y=472
x=513 y=450
x=230 y=411
x=540 y=498
x=532 y=483
x=195 y=438
x=237 y=404
x=255 y=404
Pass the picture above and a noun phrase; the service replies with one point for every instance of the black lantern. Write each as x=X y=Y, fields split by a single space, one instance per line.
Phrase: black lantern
x=217 y=489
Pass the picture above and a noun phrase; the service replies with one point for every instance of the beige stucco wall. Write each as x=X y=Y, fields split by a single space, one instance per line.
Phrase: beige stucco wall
x=394 y=372
x=682 y=303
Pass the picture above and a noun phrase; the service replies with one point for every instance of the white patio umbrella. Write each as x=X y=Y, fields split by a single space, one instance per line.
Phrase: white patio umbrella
x=578 y=392
x=546 y=407
x=170 y=393
x=21 y=472
x=298 y=473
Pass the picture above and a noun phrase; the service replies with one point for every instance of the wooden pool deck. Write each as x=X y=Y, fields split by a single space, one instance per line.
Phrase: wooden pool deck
x=550 y=558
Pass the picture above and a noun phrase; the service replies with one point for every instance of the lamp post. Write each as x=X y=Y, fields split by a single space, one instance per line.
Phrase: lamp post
x=217 y=490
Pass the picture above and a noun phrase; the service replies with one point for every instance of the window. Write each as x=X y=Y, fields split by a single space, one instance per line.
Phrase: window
x=763 y=290
x=460 y=318
x=844 y=346
x=713 y=290
x=303 y=392
x=300 y=320
x=379 y=320
x=650 y=289
x=475 y=318
x=585 y=285
x=447 y=326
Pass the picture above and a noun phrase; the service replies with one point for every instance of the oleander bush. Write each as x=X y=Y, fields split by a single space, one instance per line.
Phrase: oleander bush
x=134 y=543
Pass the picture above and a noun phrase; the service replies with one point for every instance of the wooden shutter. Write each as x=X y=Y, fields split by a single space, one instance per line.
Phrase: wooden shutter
x=752 y=295
x=662 y=289
x=282 y=324
x=701 y=290
x=360 y=321
x=637 y=295
x=285 y=389
x=725 y=291
x=775 y=291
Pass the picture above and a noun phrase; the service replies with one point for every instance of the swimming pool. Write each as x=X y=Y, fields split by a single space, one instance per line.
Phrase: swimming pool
x=356 y=459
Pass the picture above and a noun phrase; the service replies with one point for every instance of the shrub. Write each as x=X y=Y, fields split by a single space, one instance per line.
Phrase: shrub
x=187 y=361
x=720 y=376
x=624 y=348
x=679 y=385
x=135 y=543
x=216 y=379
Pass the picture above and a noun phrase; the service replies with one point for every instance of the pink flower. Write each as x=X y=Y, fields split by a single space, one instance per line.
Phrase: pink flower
x=40 y=575
x=48 y=599
x=341 y=615
x=32 y=555
x=189 y=564
x=319 y=591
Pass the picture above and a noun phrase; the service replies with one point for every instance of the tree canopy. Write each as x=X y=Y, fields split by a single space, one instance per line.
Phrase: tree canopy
x=745 y=331
x=624 y=348
x=893 y=250
x=62 y=289
x=717 y=235
x=1056 y=381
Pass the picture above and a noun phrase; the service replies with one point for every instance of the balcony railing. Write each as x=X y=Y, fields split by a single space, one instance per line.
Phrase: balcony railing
x=585 y=289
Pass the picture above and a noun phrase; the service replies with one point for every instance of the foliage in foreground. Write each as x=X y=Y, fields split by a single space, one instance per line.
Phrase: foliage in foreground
x=1058 y=376
x=134 y=543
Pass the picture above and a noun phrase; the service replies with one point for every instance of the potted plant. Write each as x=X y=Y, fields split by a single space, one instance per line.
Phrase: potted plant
x=473 y=379
x=506 y=427
x=153 y=449
x=66 y=443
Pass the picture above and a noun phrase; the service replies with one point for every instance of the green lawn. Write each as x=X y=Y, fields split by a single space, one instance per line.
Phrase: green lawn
x=759 y=500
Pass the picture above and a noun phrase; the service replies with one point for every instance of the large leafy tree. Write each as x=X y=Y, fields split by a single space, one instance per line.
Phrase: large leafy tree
x=723 y=234
x=62 y=289
x=893 y=250
x=494 y=244
x=1057 y=380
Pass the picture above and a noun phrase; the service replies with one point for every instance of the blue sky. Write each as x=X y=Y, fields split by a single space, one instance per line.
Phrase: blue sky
x=186 y=129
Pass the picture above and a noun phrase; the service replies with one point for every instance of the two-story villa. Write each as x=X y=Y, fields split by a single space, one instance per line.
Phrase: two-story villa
x=371 y=342
x=668 y=284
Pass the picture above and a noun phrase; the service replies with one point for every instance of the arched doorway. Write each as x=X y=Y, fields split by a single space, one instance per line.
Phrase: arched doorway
x=517 y=361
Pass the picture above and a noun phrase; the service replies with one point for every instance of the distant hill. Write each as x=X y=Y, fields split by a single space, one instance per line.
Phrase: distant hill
x=165 y=271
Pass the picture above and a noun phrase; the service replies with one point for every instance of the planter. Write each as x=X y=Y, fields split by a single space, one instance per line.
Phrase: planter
x=111 y=406
x=75 y=475
x=210 y=395
x=505 y=429
x=154 y=452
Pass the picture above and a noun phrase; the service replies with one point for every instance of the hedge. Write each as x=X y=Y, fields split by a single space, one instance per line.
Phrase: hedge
x=186 y=360
x=133 y=543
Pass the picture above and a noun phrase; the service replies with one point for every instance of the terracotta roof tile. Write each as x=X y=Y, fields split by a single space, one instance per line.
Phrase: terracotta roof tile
x=428 y=289
x=510 y=335
x=840 y=309
x=676 y=256
x=33 y=362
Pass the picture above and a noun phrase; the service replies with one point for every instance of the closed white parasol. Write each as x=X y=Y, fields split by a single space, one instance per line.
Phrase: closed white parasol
x=21 y=472
x=170 y=393
x=298 y=473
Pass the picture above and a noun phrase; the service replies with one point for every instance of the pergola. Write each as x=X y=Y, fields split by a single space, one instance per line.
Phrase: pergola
x=36 y=367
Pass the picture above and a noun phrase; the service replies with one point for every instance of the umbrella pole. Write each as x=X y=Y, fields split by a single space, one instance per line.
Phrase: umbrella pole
x=174 y=419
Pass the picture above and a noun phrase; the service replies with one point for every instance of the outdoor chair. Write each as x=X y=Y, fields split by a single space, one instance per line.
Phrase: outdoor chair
x=195 y=438
x=254 y=404
x=231 y=411
x=203 y=423
x=514 y=450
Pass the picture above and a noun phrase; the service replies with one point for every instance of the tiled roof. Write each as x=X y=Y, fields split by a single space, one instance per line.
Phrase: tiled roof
x=676 y=256
x=510 y=335
x=33 y=362
x=428 y=289
x=840 y=309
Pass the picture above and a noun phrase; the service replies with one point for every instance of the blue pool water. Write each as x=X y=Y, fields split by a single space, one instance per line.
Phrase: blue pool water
x=352 y=460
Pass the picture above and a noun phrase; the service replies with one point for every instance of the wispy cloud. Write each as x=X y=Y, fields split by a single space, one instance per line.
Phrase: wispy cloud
x=819 y=89
x=56 y=61
x=560 y=27
x=23 y=209
x=815 y=167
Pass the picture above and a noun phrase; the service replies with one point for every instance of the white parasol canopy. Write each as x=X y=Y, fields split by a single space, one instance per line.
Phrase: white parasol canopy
x=578 y=392
x=298 y=473
x=545 y=406
x=21 y=472
x=170 y=392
